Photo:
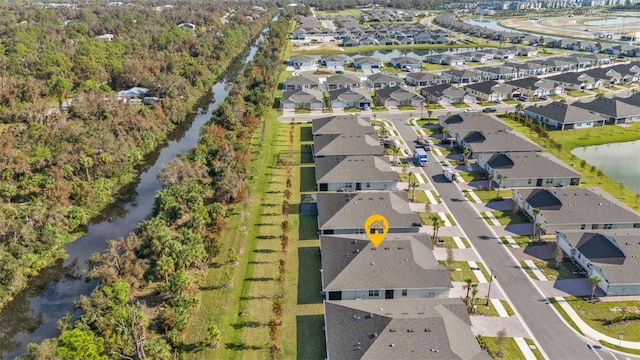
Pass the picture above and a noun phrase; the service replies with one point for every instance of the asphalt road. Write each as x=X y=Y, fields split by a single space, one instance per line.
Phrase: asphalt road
x=556 y=339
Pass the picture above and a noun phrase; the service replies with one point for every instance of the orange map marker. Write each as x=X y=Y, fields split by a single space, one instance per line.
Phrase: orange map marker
x=376 y=227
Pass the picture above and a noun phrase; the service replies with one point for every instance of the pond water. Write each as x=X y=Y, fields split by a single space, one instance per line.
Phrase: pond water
x=620 y=161
x=613 y=21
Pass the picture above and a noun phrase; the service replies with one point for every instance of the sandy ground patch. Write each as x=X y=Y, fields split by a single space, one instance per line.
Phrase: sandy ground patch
x=571 y=26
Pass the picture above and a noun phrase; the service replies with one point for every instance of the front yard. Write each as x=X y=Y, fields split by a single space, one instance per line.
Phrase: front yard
x=508 y=217
x=610 y=318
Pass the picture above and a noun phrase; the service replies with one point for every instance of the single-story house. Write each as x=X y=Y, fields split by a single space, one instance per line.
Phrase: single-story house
x=534 y=87
x=616 y=111
x=422 y=79
x=445 y=94
x=528 y=68
x=300 y=82
x=461 y=77
x=302 y=99
x=576 y=81
x=341 y=124
x=382 y=80
x=334 y=60
x=489 y=142
x=444 y=59
x=299 y=61
x=575 y=209
x=496 y=72
x=612 y=256
x=467 y=121
x=564 y=116
x=341 y=81
x=356 y=172
x=527 y=169
x=489 y=90
x=402 y=267
x=403 y=61
x=346 y=212
x=346 y=144
x=407 y=329
x=349 y=98
x=397 y=96
x=367 y=63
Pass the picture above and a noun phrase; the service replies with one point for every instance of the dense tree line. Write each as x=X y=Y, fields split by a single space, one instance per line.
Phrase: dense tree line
x=59 y=167
x=147 y=281
x=336 y=5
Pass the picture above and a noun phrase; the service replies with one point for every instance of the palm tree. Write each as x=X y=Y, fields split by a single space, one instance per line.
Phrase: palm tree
x=491 y=177
x=500 y=178
x=466 y=153
x=396 y=151
x=474 y=293
x=535 y=213
x=467 y=286
x=437 y=223
x=413 y=185
x=594 y=280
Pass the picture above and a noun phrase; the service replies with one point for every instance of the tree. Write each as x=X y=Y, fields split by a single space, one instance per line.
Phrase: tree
x=466 y=154
x=396 y=152
x=450 y=257
x=501 y=179
x=492 y=176
x=437 y=223
x=559 y=256
x=79 y=344
x=467 y=286
x=535 y=213
x=87 y=163
x=213 y=336
x=413 y=185
x=594 y=281
x=232 y=256
x=500 y=337
x=474 y=293
x=59 y=87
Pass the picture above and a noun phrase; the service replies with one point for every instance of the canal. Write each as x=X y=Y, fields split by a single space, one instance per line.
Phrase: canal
x=33 y=314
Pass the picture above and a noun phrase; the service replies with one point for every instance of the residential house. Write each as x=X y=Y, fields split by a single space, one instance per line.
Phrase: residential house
x=577 y=81
x=481 y=141
x=422 y=79
x=534 y=87
x=366 y=172
x=553 y=65
x=564 y=116
x=299 y=34
x=575 y=209
x=299 y=61
x=615 y=110
x=397 y=96
x=446 y=94
x=350 y=42
x=346 y=212
x=302 y=99
x=527 y=169
x=408 y=329
x=609 y=76
x=496 y=72
x=403 y=267
x=476 y=56
x=444 y=59
x=367 y=63
x=406 y=61
x=462 y=77
x=300 y=82
x=527 y=68
x=611 y=256
x=341 y=124
x=340 y=82
x=334 y=60
x=382 y=80
x=489 y=90
x=349 y=98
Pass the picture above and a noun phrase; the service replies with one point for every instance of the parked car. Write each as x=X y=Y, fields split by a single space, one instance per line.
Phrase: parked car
x=544 y=97
x=446 y=141
x=489 y=110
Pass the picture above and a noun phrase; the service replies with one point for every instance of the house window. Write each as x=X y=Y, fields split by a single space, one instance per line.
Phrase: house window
x=367 y=185
x=583 y=226
x=404 y=292
x=529 y=182
x=608 y=226
x=374 y=293
x=549 y=181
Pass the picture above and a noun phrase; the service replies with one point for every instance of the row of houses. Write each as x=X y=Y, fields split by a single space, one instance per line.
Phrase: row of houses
x=624 y=49
x=593 y=228
x=386 y=301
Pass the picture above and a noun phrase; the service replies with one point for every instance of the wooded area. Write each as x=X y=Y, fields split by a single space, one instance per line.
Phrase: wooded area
x=148 y=281
x=68 y=144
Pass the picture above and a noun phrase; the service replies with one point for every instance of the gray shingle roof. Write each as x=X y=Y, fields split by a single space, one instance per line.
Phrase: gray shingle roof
x=341 y=124
x=351 y=210
x=304 y=95
x=347 y=144
x=496 y=141
x=484 y=87
x=610 y=107
x=342 y=79
x=404 y=329
x=383 y=77
x=578 y=206
x=402 y=261
x=530 y=165
x=301 y=80
x=364 y=168
x=349 y=94
x=564 y=113
x=612 y=250
x=469 y=121
x=397 y=93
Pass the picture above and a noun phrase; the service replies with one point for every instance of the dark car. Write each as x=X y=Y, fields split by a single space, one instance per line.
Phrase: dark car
x=489 y=110
x=446 y=141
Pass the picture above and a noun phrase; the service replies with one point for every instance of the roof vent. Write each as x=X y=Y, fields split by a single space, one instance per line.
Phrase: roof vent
x=392 y=330
x=392 y=345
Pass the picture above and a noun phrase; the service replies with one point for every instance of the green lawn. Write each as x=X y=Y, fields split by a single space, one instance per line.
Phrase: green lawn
x=469 y=176
x=460 y=106
x=576 y=93
x=557 y=97
x=432 y=67
x=421 y=197
x=446 y=151
x=507 y=217
x=598 y=315
x=379 y=109
x=509 y=348
x=564 y=315
x=616 y=347
x=448 y=242
x=534 y=349
x=553 y=272
x=434 y=195
x=489 y=310
x=511 y=102
x=492 y=195
x=465 y=271
x=522 y=241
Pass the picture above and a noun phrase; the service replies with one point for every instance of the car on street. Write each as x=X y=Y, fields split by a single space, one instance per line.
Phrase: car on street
x=489 y=110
